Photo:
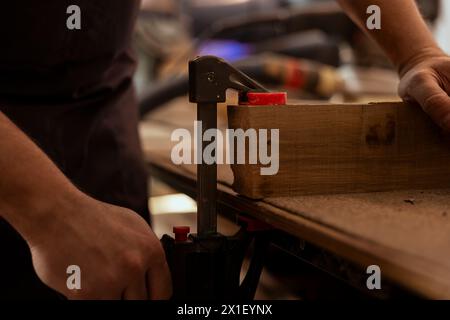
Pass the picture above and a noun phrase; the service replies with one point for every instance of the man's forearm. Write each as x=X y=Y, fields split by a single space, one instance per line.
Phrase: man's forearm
x=31 y=186
x=404 y=35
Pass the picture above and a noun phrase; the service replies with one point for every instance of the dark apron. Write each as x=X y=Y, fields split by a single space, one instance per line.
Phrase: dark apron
x=72 y=93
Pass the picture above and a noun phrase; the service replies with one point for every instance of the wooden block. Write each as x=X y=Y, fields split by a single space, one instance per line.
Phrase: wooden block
x=344 y=149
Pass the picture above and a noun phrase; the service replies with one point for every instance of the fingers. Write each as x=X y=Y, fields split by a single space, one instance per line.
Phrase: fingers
x=136 y=291
x=424 y=88
x=159 y=283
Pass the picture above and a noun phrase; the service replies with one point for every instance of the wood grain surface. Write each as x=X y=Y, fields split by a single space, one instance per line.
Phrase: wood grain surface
x=344 y=149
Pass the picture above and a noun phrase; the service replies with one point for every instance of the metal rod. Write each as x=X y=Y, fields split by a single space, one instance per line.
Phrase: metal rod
x=206 y=175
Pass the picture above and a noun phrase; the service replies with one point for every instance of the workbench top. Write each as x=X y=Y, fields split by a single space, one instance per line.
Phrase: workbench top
x=406 y=233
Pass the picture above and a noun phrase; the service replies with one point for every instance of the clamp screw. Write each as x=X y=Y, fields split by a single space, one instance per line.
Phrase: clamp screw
x=211 y=76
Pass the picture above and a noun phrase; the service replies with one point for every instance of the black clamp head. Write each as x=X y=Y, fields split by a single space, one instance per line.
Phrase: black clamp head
x=210 y=77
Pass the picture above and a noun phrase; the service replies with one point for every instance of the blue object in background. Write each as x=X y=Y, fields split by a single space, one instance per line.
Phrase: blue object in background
x=227 y=49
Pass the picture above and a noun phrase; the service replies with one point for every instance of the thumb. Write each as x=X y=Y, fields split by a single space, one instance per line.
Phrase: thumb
x=423 y=88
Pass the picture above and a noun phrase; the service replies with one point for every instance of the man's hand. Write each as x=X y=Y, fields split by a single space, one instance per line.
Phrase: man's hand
x=117 y=252
x=427 y=82
x=405 y=38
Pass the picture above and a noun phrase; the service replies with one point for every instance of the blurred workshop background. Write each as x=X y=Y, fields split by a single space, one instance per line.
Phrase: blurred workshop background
x=308 y=48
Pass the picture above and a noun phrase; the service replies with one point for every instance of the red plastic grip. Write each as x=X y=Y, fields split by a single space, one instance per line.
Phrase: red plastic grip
x=181 y=233
x=266 y=98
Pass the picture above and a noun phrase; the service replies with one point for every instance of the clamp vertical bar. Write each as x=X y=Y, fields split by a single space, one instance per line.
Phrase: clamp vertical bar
x=209 y=79
x=206 y=175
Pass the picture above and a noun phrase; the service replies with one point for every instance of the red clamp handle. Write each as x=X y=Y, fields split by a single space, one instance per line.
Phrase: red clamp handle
x=181 y=233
